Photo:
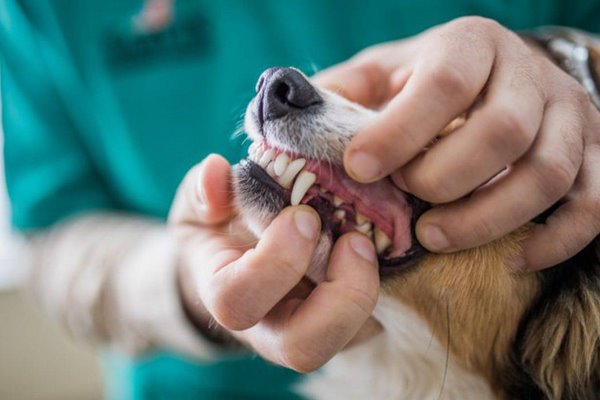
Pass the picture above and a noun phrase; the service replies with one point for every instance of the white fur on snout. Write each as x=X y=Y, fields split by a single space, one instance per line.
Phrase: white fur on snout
x=320 y=133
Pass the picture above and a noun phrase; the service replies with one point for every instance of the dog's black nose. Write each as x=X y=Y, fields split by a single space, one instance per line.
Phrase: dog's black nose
x=284 y=90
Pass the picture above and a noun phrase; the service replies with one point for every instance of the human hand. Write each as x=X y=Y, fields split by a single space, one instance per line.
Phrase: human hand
x=532 y=137
x=255 y=289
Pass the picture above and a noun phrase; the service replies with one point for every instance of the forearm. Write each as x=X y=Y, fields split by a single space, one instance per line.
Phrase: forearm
x=111 y=278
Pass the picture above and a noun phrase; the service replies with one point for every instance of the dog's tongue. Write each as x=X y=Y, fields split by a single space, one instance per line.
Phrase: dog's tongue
x=380 y=201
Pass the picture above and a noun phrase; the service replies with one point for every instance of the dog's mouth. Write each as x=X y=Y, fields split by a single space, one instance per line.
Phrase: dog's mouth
x=378 y=210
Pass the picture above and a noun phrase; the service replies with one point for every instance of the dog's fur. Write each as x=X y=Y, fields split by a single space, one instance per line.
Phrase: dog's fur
x=456 y=326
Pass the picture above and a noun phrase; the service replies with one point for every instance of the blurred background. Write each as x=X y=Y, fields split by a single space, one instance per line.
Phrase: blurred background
x=37 y=360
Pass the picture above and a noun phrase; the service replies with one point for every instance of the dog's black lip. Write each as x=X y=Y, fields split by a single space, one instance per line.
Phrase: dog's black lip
x=256 y=172
x=387 y=266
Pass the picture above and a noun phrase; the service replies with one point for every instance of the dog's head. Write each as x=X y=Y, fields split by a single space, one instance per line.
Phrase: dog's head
x=529 y=334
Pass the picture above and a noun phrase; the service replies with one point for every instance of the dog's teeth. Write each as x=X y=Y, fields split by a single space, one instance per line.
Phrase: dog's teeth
x=339 y=214
x=266 y=158
x=281 y=163
x=382 y=241
x=256 y=151
x=365 y=228
x=271 y=168
x=290 y=173
x=361 y=219
x=337 y=201
x=322 y=189
x=304 y=181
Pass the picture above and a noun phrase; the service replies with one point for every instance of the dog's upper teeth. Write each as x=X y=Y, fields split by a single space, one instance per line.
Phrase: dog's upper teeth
x=361 y=219
x=337 y=201
x=281 y=163
x=382 y=241
x=266 y=158
x=304 y=181
x=287 y=177
x=365 y=227
x=271 y=169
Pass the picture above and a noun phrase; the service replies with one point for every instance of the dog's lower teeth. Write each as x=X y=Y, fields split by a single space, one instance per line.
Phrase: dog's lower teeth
x=281 y=163
x=382 y=241
x=293 y=168
x=339 y=214
x=304 y=181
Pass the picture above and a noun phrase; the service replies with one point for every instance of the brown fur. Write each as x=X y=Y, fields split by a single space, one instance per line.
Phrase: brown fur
x=472 y=301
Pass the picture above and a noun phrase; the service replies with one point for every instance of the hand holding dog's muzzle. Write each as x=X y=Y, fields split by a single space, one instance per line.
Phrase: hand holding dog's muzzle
x=256 y=289
x=530 y=139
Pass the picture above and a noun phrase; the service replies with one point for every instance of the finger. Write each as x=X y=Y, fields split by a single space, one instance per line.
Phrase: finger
x=494 y=136
x=238 y=293
x=537 y=181
x=363 y=83
x=445 y=82
x=305 y=337
x=205 y=194
x=570 y=228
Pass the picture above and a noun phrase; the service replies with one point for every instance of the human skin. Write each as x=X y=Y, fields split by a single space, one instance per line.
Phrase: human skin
x=525 y=113
x=532 y=117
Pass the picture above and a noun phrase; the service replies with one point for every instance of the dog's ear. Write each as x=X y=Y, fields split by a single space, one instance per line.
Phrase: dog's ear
x=558 y=346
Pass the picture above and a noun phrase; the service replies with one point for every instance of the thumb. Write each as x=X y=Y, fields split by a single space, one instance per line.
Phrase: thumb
x=364 y=83
x=205 y=196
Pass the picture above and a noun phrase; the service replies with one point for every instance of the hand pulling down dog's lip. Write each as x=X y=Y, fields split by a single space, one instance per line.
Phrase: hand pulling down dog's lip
x=257 y=290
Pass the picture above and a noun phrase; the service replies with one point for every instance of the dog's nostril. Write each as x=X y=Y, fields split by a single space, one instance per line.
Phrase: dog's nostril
x=284 y=90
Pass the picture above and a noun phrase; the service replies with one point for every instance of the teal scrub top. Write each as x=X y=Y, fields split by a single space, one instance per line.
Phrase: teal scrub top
x=99 y=116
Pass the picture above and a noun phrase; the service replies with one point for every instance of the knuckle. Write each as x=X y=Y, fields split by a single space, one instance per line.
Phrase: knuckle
x=364 y=299
x=451 y=80
x=554 y=174
x=433 y=187
x=513 y=132
x=300 y=355
x=477 y=23
x=226 y=307
x=482 y=230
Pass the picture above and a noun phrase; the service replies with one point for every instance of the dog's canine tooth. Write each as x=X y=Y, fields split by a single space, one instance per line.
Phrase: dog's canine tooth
x=304 y=181
x=365 y=228
x=337 y=201
x=382 y=241
x=361 y=219
x=291 y=171
x=266 y=158
x=339 y=214
x=271 y=169
x=281 y=163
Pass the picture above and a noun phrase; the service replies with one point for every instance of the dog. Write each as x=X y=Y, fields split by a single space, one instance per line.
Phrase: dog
x=456 y=326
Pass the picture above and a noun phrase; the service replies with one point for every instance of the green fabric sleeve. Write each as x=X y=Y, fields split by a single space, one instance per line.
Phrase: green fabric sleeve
x=48 y=174
x=581 y=14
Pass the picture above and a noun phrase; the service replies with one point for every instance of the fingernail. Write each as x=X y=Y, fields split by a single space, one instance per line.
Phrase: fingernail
x=306 y=223
x=363 y=247
x=517 y=263
x=364 y=166
x=200 y=189
x=434 y=238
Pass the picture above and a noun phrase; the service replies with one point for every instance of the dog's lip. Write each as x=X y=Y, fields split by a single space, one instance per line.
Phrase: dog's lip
x=387 y=266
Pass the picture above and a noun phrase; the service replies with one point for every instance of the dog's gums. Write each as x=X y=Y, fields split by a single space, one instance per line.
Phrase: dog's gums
x=377 y=210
